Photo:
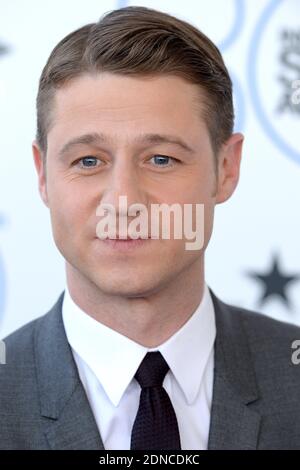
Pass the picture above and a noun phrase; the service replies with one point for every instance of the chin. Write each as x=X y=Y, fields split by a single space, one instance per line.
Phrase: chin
x=127 y=286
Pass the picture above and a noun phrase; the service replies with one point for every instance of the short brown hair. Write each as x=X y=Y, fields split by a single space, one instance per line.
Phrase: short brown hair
x=139 y=41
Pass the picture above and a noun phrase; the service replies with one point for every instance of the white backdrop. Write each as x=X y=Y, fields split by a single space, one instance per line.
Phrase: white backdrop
x=254 y=249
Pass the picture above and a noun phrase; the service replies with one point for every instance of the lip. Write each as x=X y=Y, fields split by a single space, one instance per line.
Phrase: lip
x=124 y=244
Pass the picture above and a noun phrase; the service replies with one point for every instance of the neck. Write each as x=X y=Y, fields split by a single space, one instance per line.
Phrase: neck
x=149 y=320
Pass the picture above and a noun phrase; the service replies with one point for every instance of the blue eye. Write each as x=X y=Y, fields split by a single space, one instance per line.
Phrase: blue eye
x=162 y=160
x=88 y=162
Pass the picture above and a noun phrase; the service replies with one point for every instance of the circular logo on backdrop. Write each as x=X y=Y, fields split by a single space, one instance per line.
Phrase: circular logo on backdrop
x=273 y=73
x=229 y=26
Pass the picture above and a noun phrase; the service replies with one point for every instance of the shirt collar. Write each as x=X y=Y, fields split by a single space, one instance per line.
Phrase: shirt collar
x=115 y=358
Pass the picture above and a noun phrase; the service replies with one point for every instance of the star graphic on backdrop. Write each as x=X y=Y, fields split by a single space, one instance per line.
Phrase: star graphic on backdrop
x=274 y=282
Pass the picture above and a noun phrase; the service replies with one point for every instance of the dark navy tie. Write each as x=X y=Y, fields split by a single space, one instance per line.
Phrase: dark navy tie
x=155 y=426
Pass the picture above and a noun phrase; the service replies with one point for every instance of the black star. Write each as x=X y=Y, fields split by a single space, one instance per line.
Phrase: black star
x=274 y=282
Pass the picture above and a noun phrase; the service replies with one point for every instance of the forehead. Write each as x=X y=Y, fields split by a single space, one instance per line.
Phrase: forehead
x=103 y=100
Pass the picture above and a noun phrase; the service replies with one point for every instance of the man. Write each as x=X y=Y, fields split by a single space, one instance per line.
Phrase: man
x=138 y=352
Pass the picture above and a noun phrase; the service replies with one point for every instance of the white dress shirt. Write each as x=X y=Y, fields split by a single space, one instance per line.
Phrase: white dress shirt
x=107 y=362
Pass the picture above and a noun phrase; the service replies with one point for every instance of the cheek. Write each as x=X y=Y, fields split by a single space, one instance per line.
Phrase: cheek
x=68 y=215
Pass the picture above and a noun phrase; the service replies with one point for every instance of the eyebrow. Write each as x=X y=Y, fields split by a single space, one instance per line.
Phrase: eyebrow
x=97 y=139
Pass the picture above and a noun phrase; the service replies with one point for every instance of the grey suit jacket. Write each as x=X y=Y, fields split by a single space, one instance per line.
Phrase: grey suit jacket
x=256 y=392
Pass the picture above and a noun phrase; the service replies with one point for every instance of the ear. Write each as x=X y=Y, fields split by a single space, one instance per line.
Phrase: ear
x=39 y=162
x=229 y=161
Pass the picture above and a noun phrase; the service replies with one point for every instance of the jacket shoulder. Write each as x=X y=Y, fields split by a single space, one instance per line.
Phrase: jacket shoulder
x=262 y=324
x=20 y=342
x=19 y=367
x=20 y=397
x=273 y=346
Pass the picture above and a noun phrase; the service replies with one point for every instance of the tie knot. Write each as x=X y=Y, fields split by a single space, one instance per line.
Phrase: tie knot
x=152 y=370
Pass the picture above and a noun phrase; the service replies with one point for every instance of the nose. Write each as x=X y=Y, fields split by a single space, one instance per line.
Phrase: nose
x=124 y=180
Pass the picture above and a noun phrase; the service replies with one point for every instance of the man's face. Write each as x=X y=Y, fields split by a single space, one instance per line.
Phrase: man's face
x=124 y=110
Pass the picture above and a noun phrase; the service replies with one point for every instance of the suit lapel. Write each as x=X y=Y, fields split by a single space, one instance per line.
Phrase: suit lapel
x=234 y=425
x=67 y=418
